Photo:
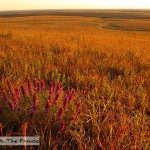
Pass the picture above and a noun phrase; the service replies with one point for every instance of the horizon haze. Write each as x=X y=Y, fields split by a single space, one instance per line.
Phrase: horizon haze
x=73 y=4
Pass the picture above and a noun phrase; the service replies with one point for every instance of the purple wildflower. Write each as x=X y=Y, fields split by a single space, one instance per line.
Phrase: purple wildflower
x=78 y=108
x=71 y=96
x=5 y=96
x=48 y=104
x=24 y=91
x=65 y=102
x=55 y=87
x=59 y=88
x=19 y=110
x=38 y=86
x=62 y=126
x=15 y=98
x=72 y=118
x=60 y=113
x=47 y=107
x=30 y=86
x=35 y=82
x=32 y=114
x=18 y=93
x=35 y=102
x=56 y=98
x=51 y=88
x=42 y=85
x=11 y=105
x=34 y=108
x=9 y=86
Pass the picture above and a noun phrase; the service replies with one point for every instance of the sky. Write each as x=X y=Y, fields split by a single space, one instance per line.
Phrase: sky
x=73 y=4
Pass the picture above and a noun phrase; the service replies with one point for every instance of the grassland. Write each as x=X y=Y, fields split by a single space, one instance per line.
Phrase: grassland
x=103 y=56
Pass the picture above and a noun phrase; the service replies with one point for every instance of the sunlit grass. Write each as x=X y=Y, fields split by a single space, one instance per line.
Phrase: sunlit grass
x=108 y=70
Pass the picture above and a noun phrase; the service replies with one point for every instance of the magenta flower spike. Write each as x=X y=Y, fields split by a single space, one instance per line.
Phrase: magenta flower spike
x=15 y=98
x=34 y=108
x=9 y=86
x=57 y=89
x=35 y=102
x=78 y=108
x=11 y=105
x=60 y=87
x=32 y=114
x=30 y=86
x=71 y=96
x=24 y=91
x=65 y=102
x=38 y=86
x=48 y=104
x=19 y=110
x=35 y=82
x=72 y=118
x=62 y=126
x=51 y=88
x=47 y=107
x=5 y=96
x=56 y=98
x=60 y=113
x=18 y=94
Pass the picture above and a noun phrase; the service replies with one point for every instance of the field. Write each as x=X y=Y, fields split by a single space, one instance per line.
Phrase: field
x=78 y=79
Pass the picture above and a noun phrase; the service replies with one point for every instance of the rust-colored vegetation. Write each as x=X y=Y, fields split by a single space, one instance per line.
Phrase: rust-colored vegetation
x=75 y=83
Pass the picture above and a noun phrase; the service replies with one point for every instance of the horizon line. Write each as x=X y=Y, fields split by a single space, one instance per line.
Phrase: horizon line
x=75 y=9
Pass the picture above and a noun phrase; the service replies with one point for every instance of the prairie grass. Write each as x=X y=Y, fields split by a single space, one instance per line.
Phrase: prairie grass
x=109 y=71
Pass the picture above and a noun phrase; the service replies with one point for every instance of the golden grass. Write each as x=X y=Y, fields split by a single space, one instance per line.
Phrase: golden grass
x=109 y=69
x=129 y=24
